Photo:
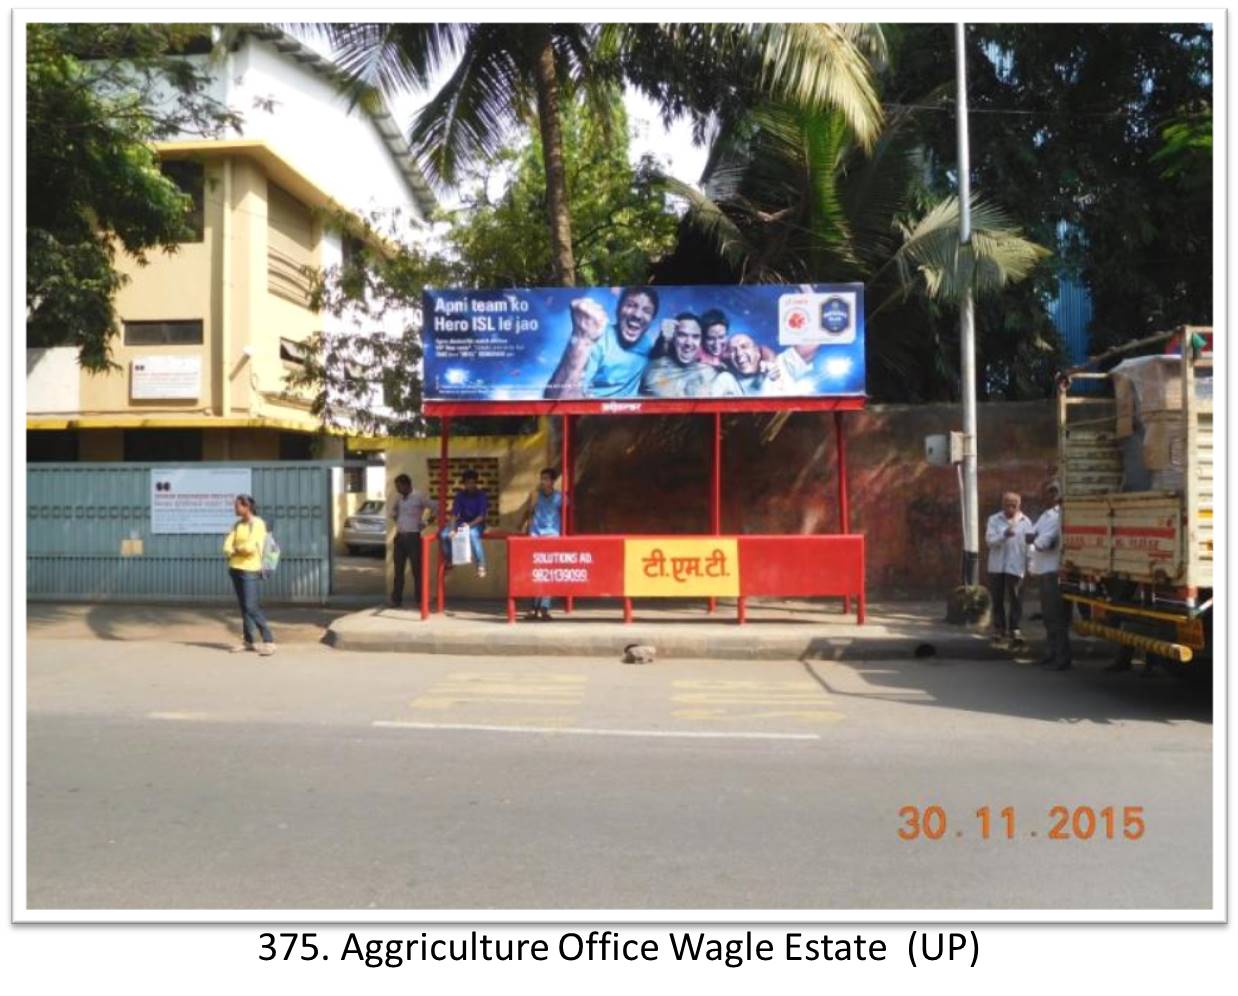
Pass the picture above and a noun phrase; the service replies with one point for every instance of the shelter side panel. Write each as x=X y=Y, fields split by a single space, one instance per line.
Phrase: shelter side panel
x=584 y=566
x=801 y=565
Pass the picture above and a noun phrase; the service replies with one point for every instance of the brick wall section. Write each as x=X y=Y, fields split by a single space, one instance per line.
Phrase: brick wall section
x=651 y=474
x=487 y=480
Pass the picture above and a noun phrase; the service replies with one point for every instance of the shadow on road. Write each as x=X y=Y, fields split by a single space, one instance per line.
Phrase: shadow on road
x=1085 y=694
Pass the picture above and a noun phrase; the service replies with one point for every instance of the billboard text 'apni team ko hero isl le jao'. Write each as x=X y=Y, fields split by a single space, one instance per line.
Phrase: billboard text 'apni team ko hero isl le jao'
x=649 y=344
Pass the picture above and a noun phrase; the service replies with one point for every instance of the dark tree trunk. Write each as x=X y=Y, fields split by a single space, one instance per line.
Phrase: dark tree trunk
x=557 y=211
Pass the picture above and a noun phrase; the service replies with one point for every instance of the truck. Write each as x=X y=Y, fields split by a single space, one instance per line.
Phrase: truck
x=1135 y=446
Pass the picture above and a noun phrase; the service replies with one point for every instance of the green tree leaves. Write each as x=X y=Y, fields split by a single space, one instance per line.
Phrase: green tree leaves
x=621 y=220
x=96 y=95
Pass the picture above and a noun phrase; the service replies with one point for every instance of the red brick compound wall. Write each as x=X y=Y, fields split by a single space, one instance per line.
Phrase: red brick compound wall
x=647 y=474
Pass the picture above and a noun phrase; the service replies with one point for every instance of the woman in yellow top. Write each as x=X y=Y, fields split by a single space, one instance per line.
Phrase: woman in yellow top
x=243 y=548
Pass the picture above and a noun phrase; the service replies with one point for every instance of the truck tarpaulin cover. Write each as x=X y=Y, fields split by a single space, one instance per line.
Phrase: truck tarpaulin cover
x=554 y=344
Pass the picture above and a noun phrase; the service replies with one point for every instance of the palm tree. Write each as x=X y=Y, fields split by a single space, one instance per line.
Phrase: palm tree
x=508 y=75
x=790 y=196
x=505 y=75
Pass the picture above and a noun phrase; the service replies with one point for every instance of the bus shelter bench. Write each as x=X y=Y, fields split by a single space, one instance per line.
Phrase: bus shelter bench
x=440 y=570
x=595 y=566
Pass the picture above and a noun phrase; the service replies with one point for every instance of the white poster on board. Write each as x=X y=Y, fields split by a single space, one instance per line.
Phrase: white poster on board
x=166 y=378
x=196 y=500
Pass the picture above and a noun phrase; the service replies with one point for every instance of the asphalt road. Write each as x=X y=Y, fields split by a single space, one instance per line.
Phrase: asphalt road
x=174 y=776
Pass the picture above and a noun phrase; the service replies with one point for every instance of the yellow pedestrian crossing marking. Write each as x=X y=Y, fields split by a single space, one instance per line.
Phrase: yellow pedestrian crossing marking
x=502 y=688
x=708 y=699
x=536 y=698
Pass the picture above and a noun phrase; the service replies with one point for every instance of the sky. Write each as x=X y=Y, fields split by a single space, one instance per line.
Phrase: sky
x=673 y=146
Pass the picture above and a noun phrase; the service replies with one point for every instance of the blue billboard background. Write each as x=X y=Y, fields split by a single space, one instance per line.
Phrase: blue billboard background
x=538 y=344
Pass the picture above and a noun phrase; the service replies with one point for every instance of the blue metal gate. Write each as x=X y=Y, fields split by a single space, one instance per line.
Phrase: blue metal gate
x=80 y=515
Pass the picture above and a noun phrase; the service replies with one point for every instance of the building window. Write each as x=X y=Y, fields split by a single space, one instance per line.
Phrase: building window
x=487 y=480
x=174 y=333
x=290 y=246
x=190 y=177
x=356 y=463
x=296 y=446
x=292 y=352
x=51 y=445
x=395 y=390
x=169 y=445
x=352 y=251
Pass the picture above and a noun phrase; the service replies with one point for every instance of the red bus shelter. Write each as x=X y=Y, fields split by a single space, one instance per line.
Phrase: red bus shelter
x=787 y=566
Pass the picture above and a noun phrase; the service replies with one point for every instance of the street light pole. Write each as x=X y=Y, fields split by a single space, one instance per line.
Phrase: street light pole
x=967 y=330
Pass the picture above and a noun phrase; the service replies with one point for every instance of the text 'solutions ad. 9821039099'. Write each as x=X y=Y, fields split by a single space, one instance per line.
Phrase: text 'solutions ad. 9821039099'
x=625 y=343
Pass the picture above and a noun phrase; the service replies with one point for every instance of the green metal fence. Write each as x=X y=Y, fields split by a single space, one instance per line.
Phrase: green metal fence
x=78 y=516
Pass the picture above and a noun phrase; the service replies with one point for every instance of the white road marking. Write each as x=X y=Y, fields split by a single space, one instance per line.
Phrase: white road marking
x=191 y=716
x=598 y=732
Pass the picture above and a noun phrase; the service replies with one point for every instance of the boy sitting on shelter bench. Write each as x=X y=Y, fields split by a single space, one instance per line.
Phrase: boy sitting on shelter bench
x=468 y=510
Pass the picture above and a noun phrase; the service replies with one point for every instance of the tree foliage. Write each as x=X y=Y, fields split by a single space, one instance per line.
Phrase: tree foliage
x=504 y=76
x=510 y=75
x=1099 y=135
x=368 y=379
x=96 y=96
x=715 y=73
x=366 y=376
x=832 y=157
x=792 y=197
x=621 y=220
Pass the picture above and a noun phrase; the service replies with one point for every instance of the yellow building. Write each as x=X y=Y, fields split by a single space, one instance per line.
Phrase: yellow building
x=210 y=333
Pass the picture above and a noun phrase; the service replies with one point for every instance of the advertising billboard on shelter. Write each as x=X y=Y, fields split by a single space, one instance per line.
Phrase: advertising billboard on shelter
x=659 y=343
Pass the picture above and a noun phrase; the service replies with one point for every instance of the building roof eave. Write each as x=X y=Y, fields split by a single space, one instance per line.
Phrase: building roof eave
x=278 y=166
x=381 y=117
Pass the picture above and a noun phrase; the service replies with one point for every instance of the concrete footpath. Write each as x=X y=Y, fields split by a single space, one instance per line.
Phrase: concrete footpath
x=204 y=625
x=786 y=630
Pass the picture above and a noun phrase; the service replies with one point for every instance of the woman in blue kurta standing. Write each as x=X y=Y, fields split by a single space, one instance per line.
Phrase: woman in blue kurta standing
x=243 y=547
x=543 y=516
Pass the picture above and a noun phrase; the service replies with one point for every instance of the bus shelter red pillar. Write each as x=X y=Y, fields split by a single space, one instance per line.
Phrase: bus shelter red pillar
x=844 y=513
x=565 y=525
x=715 y=495
x=424 y=553
x=444 y=510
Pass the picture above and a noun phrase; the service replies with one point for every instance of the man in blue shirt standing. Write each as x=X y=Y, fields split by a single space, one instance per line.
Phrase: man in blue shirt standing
x=543 y=516
x=468 y=509
x=601 y=362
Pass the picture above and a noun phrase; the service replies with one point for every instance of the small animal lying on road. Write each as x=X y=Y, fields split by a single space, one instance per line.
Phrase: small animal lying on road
x=639 y=653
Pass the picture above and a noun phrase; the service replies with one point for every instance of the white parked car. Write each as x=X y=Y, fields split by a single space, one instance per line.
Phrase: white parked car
x=365 y=531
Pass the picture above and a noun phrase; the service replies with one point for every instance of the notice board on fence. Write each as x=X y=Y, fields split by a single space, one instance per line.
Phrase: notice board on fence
x=196 y=500
x=655 y=344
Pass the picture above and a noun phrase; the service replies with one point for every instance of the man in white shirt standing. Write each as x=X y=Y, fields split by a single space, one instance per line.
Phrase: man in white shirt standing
x=1045 y=546
x=408 y=510
x=1007 y=565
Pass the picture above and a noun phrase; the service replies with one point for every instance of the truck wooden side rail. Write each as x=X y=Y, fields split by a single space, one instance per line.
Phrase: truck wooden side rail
x=1138 y=564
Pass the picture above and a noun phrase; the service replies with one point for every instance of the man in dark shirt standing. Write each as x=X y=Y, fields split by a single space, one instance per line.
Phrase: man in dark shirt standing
x=468 y=509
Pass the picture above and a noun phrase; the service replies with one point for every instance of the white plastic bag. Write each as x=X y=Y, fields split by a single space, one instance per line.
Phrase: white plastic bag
x=461 y=548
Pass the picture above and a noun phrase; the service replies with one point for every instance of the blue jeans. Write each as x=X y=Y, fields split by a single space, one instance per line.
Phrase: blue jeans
x=245 y=583
x=475 y=533
x=542 y=601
